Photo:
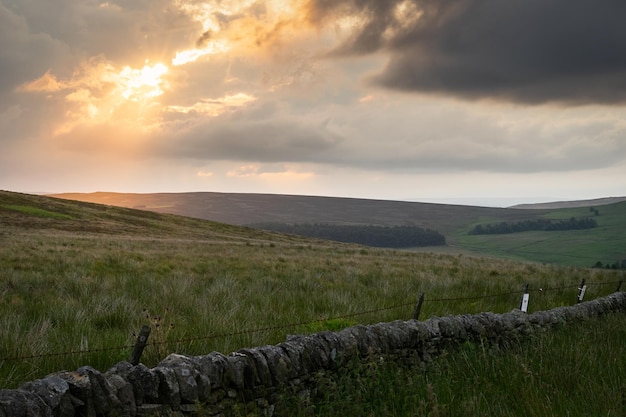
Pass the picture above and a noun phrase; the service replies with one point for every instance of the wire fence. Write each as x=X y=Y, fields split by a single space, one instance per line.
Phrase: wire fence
x=422 y=299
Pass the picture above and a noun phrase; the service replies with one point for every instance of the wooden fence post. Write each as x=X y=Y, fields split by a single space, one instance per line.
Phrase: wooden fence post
x=140 y=344
x=619 y=286
x=525 y=296
x=581 y=291
x=418 y=306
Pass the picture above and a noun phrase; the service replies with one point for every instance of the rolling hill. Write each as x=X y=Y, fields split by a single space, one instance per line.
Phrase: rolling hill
x=244 y=209
x=605 y=244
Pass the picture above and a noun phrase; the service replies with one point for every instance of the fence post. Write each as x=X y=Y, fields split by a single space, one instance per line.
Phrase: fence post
x=525 y=296
x=619 y=286
x=140 y=344
x=581 y=291
x=418 y=306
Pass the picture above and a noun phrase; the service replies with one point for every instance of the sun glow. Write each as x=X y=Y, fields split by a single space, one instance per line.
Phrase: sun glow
x=191 y=55
x=100 y=90
x=215 y=107
x=236 y=24
x=141 y=84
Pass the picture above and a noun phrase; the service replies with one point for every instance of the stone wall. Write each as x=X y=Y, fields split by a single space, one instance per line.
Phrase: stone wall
x=216 y=383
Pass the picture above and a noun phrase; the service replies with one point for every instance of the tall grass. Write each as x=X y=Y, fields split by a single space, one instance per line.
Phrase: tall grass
x=75 y=287
x=88 y=293
x=573 y=371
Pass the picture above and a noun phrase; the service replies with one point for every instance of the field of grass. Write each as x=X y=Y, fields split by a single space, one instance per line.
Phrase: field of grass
x=605 y=243
x=572 y=371
x=78 y=279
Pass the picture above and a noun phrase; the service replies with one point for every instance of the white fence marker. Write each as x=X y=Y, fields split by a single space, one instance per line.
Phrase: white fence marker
x=525 y=298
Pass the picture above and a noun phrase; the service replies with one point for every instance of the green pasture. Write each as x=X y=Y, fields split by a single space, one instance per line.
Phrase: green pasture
x=75 y=288
x=584 y=248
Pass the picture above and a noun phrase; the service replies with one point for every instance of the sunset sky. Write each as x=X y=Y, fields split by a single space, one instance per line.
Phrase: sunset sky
x=484 y=102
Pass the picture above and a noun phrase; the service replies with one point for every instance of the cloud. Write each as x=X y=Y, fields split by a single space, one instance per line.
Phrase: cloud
x=238 y=139
x=527 y=51
x=238 y=95
x=403 y=135
x=26 y=54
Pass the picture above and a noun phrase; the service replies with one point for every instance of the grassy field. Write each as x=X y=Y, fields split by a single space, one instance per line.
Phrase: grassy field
x=78 y=279
x=572 y=371
x=605 y=243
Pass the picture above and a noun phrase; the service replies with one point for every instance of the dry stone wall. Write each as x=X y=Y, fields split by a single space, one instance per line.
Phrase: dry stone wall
x=256 y=376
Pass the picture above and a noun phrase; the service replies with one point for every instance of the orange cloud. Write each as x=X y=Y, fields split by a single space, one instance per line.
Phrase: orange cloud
x=217 y=106
x=45 y=83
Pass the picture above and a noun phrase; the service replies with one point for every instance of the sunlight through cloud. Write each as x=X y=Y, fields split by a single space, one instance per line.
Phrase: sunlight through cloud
x=191 y=55
x=144 y=83
x=217 y=106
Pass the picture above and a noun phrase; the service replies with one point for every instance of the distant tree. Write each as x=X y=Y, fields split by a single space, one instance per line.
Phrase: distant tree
x=378 y=236
x=537 y=224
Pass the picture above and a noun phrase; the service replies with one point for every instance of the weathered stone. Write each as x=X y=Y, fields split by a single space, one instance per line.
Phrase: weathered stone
x=378 y=339
x=169 y=391
x=313 y=353
x=279 y=364
x=55 y=392
x=473 y=328
x=103 y=396
x=399 y=335
x=152 y=410
x=257 y=372
x=145 y=384
x=359 y=333
x=452 y=328
x=234 y=373
x=214 y=366
x=419 y=335
x=190 y=384
x=124 y=393
x=432 y=325
x=345 y=343
x=293 y=350
x=20 y=403
x=80 y=388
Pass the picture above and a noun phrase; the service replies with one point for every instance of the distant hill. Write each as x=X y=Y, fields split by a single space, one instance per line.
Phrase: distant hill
x=43 y=214
x=572 y=204
x=605 y=244
x=246 y=209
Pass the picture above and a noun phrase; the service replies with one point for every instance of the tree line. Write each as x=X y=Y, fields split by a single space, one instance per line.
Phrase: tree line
x=538 y=224
x=369 y=235
x=614 y=265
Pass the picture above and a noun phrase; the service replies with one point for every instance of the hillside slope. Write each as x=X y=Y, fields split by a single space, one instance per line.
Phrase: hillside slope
x=52 y=215
x=605 y=244
x=571 y=204
x=243 y=209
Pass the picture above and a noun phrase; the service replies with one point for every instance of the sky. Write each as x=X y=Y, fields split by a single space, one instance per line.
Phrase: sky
x=480 y=102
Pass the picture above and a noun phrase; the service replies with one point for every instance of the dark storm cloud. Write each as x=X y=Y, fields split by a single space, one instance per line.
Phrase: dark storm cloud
x=531 y=51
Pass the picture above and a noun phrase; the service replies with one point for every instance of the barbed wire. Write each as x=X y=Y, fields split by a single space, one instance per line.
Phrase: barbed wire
x=280 y=327
x=478 y=297
x=288 y=325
